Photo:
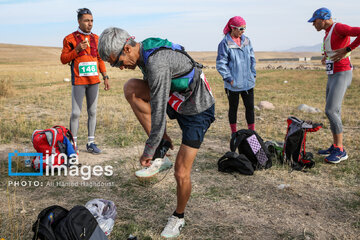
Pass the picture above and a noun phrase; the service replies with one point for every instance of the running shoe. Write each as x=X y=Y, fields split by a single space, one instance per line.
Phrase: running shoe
x=92 y=148
x=336 y=156
x=157 y=165
x=326 y=151
x=173 y=227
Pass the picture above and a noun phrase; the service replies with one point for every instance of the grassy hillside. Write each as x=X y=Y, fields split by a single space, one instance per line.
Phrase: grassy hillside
x=322 y=203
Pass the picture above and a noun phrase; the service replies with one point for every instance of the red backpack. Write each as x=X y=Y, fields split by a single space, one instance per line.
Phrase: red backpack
x=50 y=142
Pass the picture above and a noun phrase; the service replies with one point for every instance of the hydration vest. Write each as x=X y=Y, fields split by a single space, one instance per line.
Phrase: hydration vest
x=180 y=83
x=92 y=43
x=182 y=86
x=85 y=67
x=295 y=139
x=327 y=44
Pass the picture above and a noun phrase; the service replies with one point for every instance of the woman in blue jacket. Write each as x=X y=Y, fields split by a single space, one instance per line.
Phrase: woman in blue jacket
x=236 y=64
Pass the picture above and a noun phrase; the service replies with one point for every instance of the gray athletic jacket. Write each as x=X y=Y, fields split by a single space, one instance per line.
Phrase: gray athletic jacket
x=160 y=68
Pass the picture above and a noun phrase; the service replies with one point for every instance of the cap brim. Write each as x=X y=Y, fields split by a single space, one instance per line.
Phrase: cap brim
x=312 y=19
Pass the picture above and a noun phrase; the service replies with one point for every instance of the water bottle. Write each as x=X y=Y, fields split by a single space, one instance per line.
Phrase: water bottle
x=27 y=159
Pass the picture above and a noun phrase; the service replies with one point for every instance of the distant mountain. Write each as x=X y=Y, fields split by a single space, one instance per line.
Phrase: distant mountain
x=315 y=48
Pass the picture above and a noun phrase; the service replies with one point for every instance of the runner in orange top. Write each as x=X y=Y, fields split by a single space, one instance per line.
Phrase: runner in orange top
x=81 y=53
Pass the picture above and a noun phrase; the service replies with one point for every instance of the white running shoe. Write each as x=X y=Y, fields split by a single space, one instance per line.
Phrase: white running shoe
x=158 y=165
x=173 y=227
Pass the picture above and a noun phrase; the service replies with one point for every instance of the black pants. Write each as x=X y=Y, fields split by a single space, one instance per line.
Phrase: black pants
x=248 y=99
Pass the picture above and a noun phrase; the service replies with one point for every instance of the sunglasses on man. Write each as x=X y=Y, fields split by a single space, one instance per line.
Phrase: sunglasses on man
x=118 y=63
x=239 y=28
x=84 y=11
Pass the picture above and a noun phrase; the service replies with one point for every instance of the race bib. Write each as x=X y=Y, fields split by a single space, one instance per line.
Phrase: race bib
x=88 y=69
x=202 y=76
x=175 y=100
x=329 y=67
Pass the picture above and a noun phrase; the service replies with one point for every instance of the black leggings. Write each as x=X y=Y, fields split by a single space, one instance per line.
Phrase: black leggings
x=248 y=99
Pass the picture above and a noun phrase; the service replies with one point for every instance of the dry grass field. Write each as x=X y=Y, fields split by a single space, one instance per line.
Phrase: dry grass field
x=322 y=203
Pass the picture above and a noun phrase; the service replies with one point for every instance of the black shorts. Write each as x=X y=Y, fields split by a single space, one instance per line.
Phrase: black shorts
x=193 y=127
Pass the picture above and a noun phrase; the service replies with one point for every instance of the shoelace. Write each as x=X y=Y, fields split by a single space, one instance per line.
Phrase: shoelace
x=151 y=166
x=171 y=222
x=336 y=151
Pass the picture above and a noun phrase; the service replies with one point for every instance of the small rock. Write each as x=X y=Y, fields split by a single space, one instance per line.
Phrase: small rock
x=23 y=211
x=282 y=186
x=131 y=237
x=256 y=108
x=285 y=81
x=66 y=80
x=306 y=108
x=266 y=105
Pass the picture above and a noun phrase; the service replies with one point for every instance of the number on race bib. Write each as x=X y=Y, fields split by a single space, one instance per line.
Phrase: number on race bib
x=328 y=67
x=88 y=69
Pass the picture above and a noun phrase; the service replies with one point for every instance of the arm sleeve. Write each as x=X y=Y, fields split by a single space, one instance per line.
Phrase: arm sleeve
x=252 y=60
x=345 y=30
x=222 y=61
x=102 y=67
x=68 y=52
x=159 y=79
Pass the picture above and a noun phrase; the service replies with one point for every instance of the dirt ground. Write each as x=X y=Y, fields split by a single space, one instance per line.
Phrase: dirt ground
x=313 y=205
x=322 y=203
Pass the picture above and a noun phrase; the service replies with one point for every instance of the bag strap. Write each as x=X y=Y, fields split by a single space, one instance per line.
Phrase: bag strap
x=226 y=156
x=236 y=139
x=229 y=155
x=193 y=62
x=67 y=133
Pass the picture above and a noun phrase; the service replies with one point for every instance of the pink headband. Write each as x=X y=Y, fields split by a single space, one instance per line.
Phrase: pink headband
x=235 y=21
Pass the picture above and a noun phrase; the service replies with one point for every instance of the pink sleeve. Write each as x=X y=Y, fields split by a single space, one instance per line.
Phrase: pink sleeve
x=345 y=30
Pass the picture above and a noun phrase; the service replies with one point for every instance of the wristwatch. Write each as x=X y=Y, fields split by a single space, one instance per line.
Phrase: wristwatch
x=348 y=49
x=106 y=77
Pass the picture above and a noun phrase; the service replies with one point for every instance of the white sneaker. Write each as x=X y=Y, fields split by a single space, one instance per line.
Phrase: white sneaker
x=158 y=165
x=173 y=227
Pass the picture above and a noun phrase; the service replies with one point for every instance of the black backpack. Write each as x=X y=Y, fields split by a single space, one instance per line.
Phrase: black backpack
x=250 y=144
x=234 y=162
x=57 y=223
x=47 y=219
x=295 y=139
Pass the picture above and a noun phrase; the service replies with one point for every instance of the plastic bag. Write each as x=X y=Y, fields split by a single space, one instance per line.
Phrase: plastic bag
x=104 y=212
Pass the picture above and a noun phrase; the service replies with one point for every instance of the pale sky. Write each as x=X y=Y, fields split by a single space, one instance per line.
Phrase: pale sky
x=272 y=25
